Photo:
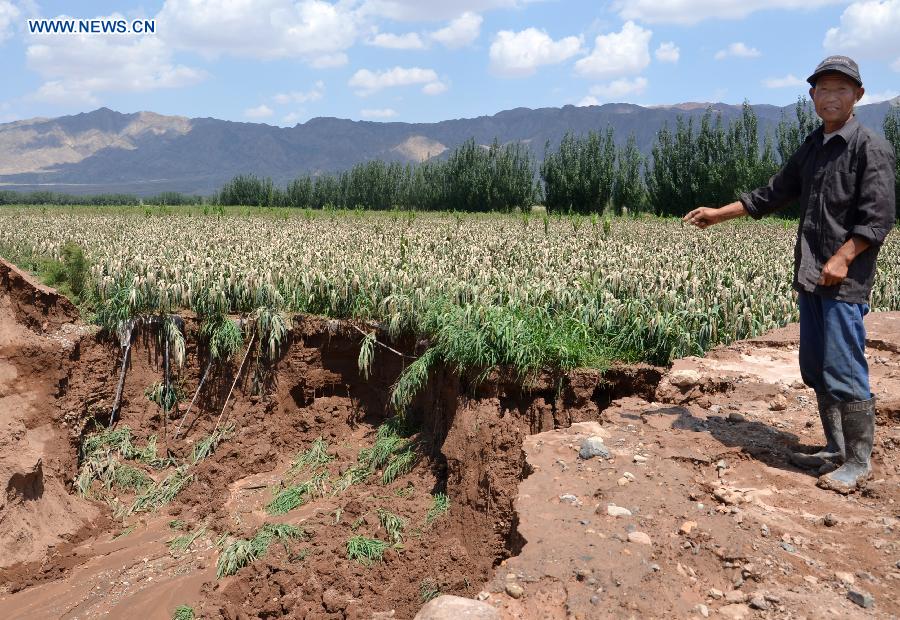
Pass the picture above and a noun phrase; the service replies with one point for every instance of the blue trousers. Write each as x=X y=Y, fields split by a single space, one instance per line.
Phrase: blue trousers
x=833 y=347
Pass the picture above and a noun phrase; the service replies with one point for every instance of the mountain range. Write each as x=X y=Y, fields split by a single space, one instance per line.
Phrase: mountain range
x=146 y=153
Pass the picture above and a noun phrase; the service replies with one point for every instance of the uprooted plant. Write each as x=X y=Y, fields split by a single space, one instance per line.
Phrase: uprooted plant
x=241 y=552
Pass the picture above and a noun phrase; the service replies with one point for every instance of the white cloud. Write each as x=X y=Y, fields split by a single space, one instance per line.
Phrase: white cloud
x=77 y=67
x=312 y=30
x=434 y=88
x=737 y=50
x=431 y=10
x=618 y=90
x=878 y=97
x=617 y=54
x=588 y=100
x=408 y=41
x=379 y=113
x=460 y=32
x=516 y=54
x=329 y=61
x=868 y=29
x=788 y=81
x=260 y=111
x=693 y=11
x=667 y=52
x=292 y=119
x=314 y=94
x=9 y=13
x=368 y=82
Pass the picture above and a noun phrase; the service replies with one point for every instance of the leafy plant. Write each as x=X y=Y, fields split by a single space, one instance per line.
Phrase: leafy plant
x=393 y=525
x=365 y=550
x=440 y=504
x=183 y=612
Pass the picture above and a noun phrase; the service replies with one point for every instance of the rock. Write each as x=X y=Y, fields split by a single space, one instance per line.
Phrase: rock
x=788 y=547
x=863 y=599
x=703 y=610
x=684 y=378
x=715 y=594
x=845 y=578
x=630 y=476
x=779 y=403
x=764 y=531
x=581 y=574
x=447 y=607
x=333 y=600
x=829 y=520
x=687 y=527
x=734 y=416
x=759 y=602
x=593 y=446
x=735 y=596
x=811 y=579
x=622 y=481
x=737 y=611
x=639 y=538
x=515 y=590
x=640 y=459
x=617 y=511
x=568 y=498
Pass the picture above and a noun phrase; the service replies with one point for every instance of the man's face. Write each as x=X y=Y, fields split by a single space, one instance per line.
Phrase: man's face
x=834 y=97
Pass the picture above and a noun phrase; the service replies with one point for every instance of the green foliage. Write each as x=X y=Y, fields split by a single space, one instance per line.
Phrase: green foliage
x=579 y=176
x=131 y=478
x=366 y=353
x=69 y=274
x=183 y=612
x=182 y=543
x=314 y=458
x=162 y=492
x=629 y=191
x=428 y=590
x=293 y=496
x=206 y=446
x=393 y=525
x=440 y=504
x=365 y=550
x=240 y=552
x=710 y=166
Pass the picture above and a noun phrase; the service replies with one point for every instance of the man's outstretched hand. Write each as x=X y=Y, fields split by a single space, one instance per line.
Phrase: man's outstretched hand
x=703 y=217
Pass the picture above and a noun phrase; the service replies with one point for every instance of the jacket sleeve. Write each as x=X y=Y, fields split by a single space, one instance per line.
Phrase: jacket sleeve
x=783 y=188
x=876 y=207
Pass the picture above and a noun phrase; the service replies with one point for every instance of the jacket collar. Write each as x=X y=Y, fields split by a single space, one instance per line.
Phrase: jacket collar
x=846 y=132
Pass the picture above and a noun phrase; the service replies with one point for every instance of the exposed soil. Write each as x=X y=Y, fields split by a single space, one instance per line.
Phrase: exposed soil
x=523 y=507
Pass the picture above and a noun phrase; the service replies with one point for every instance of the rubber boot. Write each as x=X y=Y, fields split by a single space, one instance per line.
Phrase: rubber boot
x=830 y=414
x=858 y=423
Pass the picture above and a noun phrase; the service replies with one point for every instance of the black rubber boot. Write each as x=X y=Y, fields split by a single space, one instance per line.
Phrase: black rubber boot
x=858 y=423
x=830 y=414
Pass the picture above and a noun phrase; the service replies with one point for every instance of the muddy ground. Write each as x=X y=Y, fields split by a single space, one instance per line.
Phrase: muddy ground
x=696 y=511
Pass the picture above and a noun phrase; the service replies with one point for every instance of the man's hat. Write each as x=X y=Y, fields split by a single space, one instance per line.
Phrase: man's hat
x=839 y=64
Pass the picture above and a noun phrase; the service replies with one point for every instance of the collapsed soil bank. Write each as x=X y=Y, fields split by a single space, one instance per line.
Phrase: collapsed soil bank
x=471 y=435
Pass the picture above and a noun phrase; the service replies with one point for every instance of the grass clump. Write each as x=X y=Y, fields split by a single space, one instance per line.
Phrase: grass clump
x=293 y=496
x=183 y=612
x=163 y=491
x=393 y=524
x=242 y=552
x=440 y=504
x=315 y=457
x=428 y=590
x=206 y=446
x=182 y=543
x=366 y=550
x=130 y=478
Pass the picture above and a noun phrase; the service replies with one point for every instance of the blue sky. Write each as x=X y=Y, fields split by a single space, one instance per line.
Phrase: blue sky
x=282 y=61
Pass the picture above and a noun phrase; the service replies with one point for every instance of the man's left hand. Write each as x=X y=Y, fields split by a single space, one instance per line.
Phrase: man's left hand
x=834 y=271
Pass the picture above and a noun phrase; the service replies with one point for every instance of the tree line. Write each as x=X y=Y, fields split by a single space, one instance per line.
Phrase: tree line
x=693 y=163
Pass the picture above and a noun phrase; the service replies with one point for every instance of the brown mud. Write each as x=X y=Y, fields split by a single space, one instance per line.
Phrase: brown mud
x=713 y=433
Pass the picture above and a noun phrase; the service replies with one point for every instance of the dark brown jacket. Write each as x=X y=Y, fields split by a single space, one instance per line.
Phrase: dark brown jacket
x=846 y=188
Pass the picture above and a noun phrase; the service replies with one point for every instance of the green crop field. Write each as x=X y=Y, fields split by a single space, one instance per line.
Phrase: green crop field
x=532 y=291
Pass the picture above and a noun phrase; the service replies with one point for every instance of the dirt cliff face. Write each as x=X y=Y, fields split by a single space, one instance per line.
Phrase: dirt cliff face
x=37 y=456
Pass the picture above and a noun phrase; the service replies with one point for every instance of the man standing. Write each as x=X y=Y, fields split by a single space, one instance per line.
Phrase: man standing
x=843 y=176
